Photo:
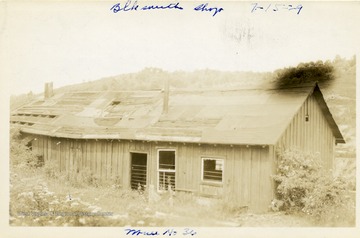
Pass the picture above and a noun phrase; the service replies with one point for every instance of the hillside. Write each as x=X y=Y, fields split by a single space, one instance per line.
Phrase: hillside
x=341 y=98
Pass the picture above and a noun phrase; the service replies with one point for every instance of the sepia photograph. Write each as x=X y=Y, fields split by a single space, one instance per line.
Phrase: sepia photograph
x=184 y=118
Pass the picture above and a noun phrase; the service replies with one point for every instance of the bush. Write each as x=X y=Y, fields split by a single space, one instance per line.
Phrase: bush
x=37 y=206
x=304 y=186
x=330 y=203
x=20 y=155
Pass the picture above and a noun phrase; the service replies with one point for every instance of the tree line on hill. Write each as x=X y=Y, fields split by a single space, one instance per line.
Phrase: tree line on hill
x=154 y=78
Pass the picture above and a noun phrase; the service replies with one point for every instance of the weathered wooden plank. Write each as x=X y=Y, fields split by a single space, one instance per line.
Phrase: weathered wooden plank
x=152 y=169
x=246 y=171
x=81 y=154
x=108 y=159
x=181 y=166
x=312 y=126
x=195 y=169
x=40 y=146
x=255 y=174
x=93 y=156
x=51 y=156
x=113 y=165
x=45 y=148
x=114 y=154
x=65 y=151
x=302 y=127
x=273 y=168
x=62 y=152
x=126 y=165
x=196 y=165
x=238 y=175
x=188 y=153
x=75 y=155
x=88 y=155
x=108 y=154
x=295 y=141
x=103 y=160
x=78 y=158
x=98 y=159
x=55 y=152
x=319 y=130
x=152 y=166
x=72 y=153
x=56 y=149
x=233 y=167
x=265 y=193
x=120 y=161
x=183 y=159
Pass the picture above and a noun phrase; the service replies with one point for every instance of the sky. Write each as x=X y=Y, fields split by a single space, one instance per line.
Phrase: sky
x=73 y=42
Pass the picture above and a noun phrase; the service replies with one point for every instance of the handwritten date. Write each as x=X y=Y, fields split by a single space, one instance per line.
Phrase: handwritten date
x=276 y=7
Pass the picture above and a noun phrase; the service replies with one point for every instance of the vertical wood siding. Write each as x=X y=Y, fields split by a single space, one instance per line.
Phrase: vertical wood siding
x=247 y=171
x=246 y=178
x=314 y=136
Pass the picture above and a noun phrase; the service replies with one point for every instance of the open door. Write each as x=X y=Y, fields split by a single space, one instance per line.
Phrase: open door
x=138 y=170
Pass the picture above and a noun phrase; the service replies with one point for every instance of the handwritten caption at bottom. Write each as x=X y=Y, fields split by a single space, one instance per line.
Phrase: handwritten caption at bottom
x=167 y=232
x=134 y=6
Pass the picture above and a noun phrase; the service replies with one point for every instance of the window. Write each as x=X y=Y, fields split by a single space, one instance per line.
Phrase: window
x=212 y=169
x=166 y=169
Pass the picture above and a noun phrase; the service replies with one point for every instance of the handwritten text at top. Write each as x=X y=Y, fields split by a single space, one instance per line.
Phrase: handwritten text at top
x=131 y=5
x=135 y=6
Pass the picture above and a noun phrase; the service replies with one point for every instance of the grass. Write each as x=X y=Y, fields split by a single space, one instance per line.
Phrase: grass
x=33 y=192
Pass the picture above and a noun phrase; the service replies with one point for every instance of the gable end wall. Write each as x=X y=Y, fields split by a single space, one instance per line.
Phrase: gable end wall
x=314 y=135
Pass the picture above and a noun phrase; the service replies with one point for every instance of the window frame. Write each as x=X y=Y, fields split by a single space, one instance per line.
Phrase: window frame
x=203 y=158
x=158 y=170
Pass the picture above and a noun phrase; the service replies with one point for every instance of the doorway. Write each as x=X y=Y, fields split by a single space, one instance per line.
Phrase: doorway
x=138 y=170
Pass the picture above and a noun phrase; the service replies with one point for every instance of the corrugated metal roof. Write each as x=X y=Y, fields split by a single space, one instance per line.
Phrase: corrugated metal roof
x=246 y=116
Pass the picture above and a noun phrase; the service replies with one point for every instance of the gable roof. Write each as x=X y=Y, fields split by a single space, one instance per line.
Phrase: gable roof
x=242 y=116
x=326 y=112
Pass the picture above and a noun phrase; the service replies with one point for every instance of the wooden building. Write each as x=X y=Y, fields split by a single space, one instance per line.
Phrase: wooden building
x=211 y=143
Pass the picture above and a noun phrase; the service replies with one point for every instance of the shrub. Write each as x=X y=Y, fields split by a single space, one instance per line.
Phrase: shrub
x=329 y=203
x=304 y=186
x=20 y=155
x=296 y=176
x=37 y=206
